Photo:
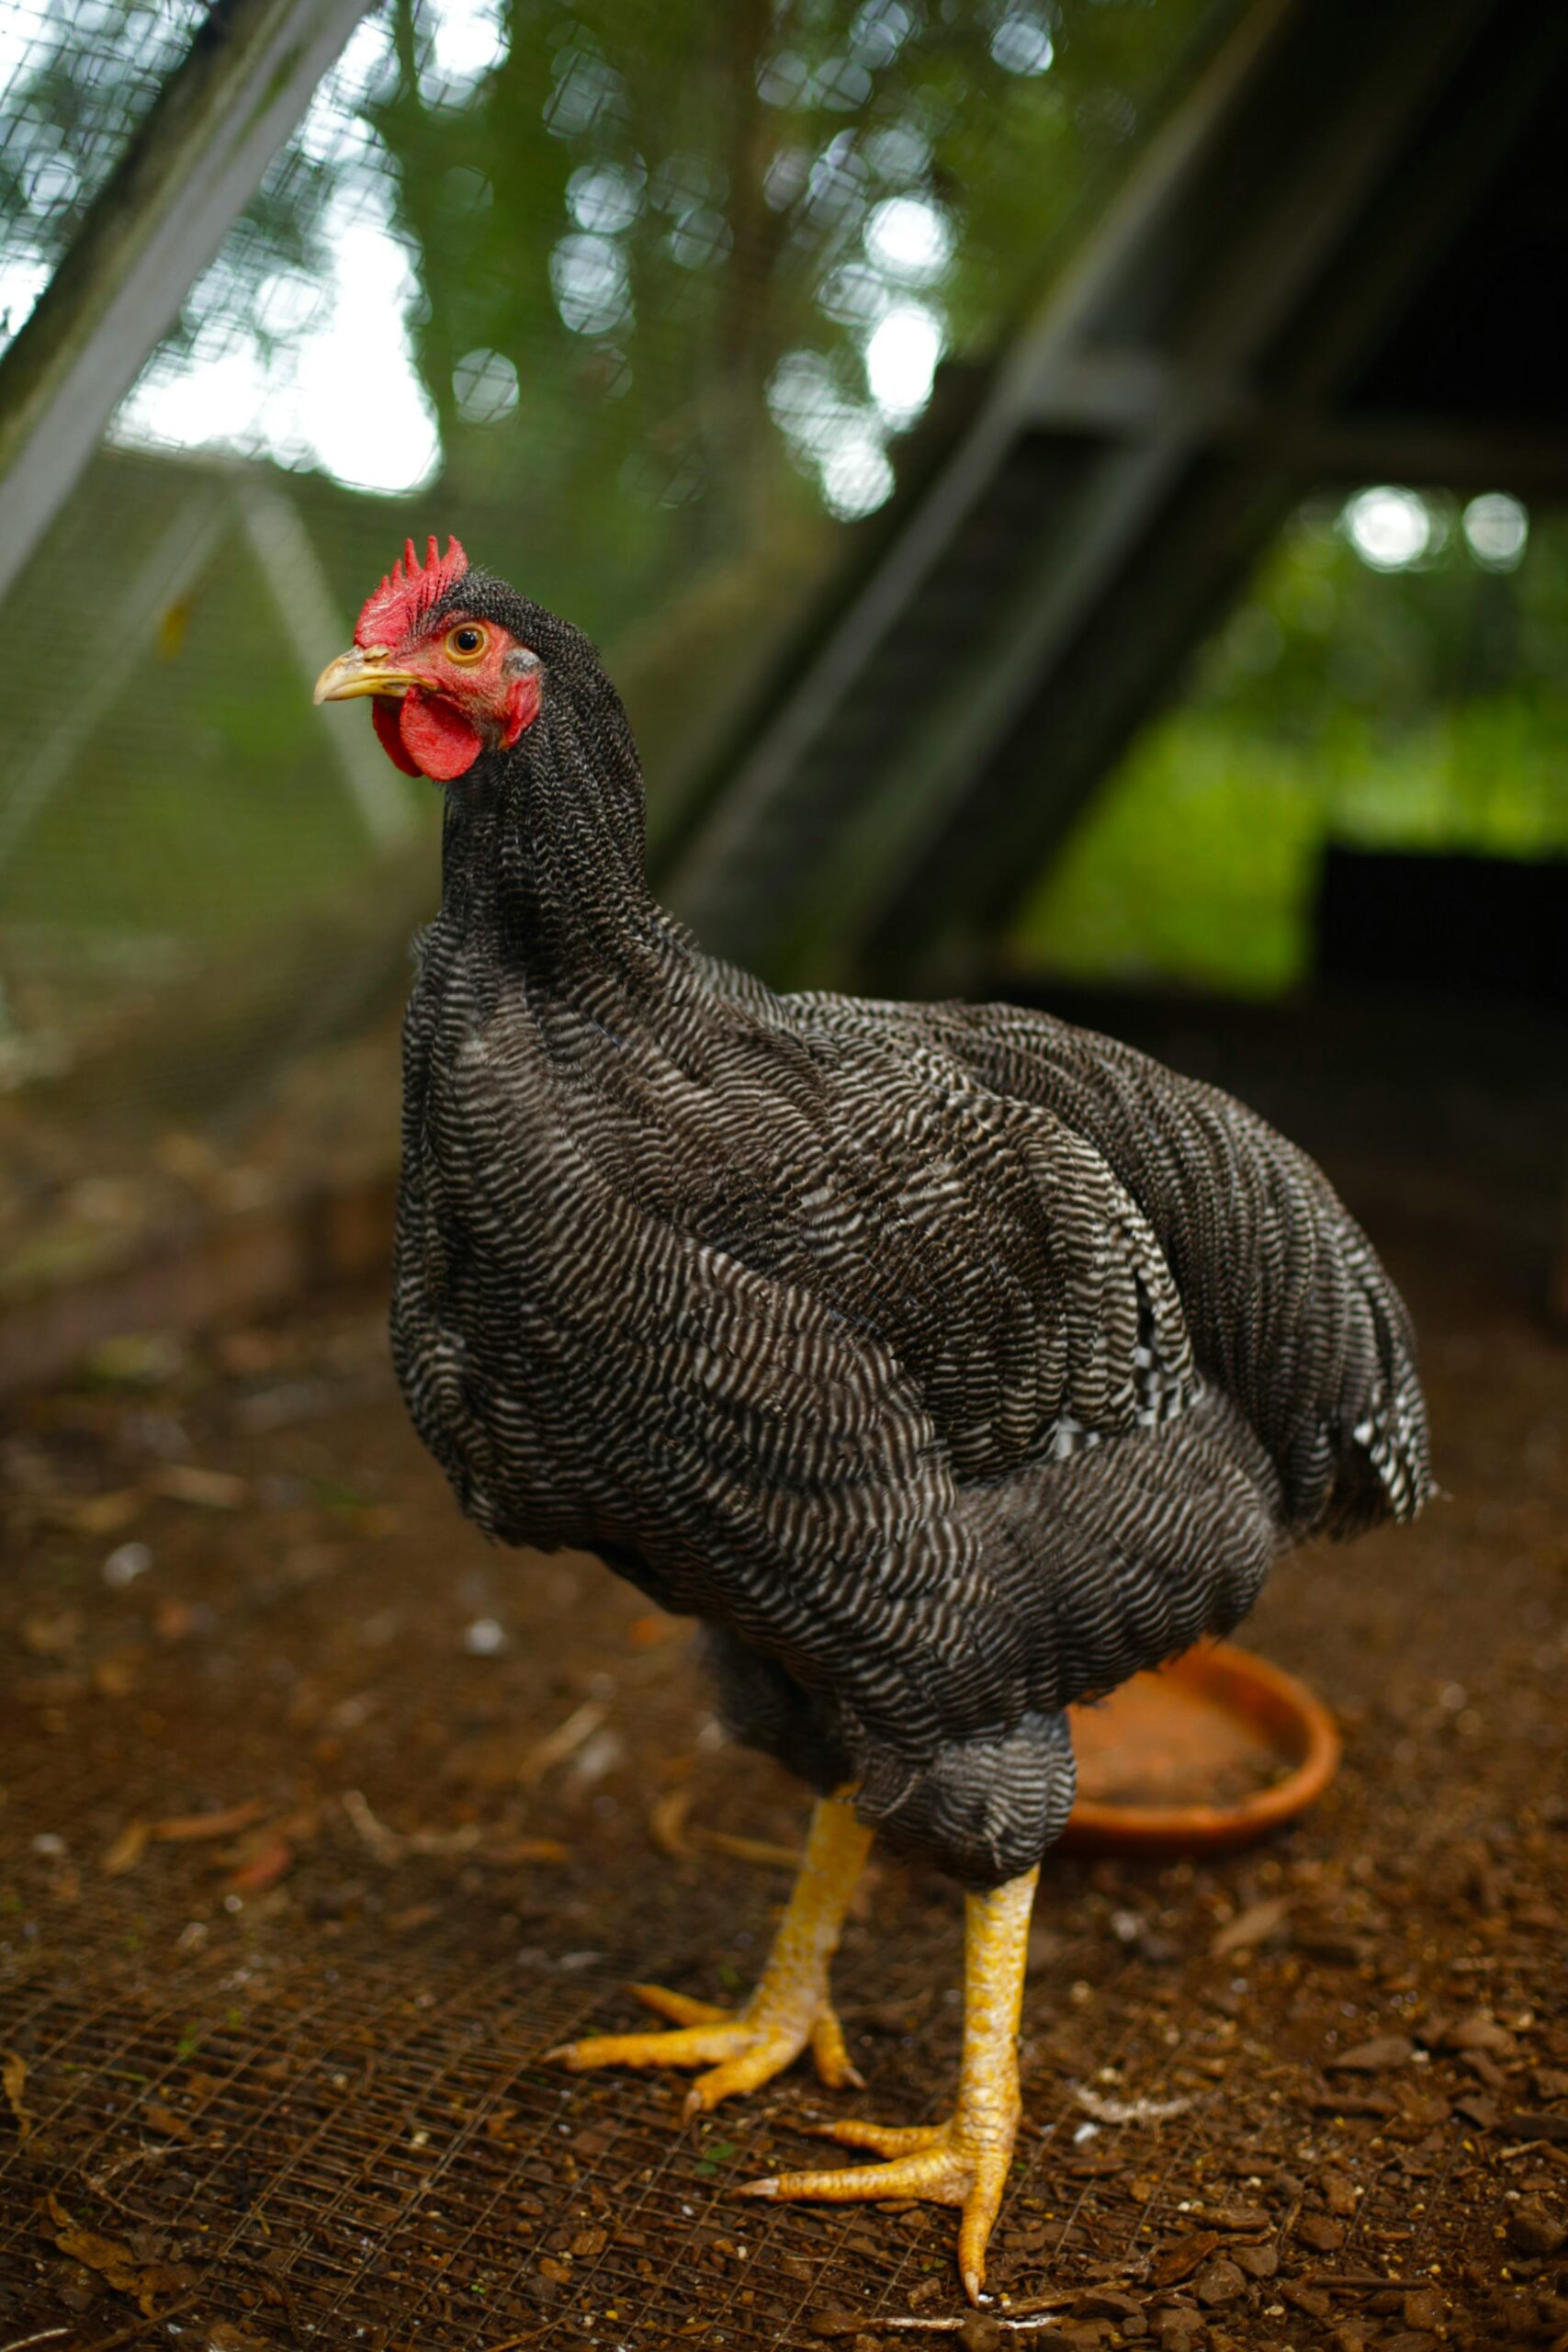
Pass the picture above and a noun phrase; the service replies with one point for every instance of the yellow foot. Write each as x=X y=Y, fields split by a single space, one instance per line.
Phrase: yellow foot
x=739 y=2052
x=961 y=2162
x=790 y=2010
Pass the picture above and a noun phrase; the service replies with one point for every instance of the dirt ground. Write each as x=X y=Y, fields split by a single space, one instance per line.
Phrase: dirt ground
x=321 y=1821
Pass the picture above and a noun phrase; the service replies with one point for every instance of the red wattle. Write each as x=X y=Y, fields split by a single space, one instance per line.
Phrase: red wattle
x=522 y=708
x=436 y=736
x=385 y=715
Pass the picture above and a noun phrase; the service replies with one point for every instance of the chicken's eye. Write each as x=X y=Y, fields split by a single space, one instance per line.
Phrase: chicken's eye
x=467 y=642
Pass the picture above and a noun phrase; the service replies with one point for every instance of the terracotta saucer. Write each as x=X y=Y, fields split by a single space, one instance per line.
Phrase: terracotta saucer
x=1214 y=1750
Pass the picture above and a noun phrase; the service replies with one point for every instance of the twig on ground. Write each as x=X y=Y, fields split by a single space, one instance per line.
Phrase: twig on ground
x=977 y=2328
x=384 y=1843
x=564 y=1740
x=1129 y=2110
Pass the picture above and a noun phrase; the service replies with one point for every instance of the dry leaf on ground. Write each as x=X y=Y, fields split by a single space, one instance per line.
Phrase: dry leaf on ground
x=263 y=1860
x=1252 y=1926
x=181 y=1482
x=1373 y=2057
x=127 y=1850
x=183 y=1828
x=761 y=1850
x=667 y=1822
x=1180 y=2259
x=14 y=2080
x=147 y=2282
x=564 y=1740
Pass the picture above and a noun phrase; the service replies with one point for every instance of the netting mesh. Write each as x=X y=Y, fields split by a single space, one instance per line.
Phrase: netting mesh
x=292 y=1909
x=639 y=301
x=381 y=2159
x=75 y=80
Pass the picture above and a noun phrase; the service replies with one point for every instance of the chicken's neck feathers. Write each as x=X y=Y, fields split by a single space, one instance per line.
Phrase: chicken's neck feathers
x=543 y=869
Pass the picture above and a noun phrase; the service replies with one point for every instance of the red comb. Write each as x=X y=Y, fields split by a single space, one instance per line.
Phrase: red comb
x=412 y=590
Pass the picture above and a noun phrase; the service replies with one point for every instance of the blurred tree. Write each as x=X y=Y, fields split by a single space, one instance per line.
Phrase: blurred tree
x=663 y=251
x=679 y=260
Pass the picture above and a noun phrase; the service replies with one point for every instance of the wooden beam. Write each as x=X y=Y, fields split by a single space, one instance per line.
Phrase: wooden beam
x=947 y=856
x=316 y=631
x=1159 y=334
x=1129 y=395
x=188 y=172
x=1012 y=809
x=727 y=883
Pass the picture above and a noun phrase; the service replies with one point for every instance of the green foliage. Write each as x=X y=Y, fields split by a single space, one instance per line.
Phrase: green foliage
x=635 y=213
x=646 y=248
x=657 y=220
x=638 y=238
x=1423 y=710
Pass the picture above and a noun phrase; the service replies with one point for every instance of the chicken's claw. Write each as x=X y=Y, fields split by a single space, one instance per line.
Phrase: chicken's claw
x=739 y=2052
x=961 y=2162
x=679 y=2007
x=789 y=2011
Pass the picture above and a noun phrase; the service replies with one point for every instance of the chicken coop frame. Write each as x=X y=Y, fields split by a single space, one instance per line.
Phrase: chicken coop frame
x=1298 y=286
x=1279 y=298
x=186 y=176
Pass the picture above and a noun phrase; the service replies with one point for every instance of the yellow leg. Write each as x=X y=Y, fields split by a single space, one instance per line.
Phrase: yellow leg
x=790 y=2009
x=964 y=2161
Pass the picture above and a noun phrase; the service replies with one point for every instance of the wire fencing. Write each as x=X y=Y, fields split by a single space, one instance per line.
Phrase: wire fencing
x=639 y=301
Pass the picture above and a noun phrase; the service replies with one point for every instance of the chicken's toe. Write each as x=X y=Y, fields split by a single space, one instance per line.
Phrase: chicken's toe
x=740 y=2049
x=946 y=2163
x=790 y=2009
x=690 y=2045
x=832 y=2059
x=882 y=2139
x=679 y=2007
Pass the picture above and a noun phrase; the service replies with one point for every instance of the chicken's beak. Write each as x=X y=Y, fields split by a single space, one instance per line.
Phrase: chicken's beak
x=362 y=671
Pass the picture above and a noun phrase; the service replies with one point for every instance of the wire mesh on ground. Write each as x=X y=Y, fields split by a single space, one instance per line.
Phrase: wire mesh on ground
x=378 y=2149
x=286 y=2071
x=321 y=2114
x=302 y=2136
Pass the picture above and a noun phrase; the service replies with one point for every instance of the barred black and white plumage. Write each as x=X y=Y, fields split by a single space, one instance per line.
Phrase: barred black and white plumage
x=950 y=1363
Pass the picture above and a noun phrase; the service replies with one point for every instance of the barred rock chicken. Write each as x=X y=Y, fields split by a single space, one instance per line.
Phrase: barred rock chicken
x=950 y=1363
